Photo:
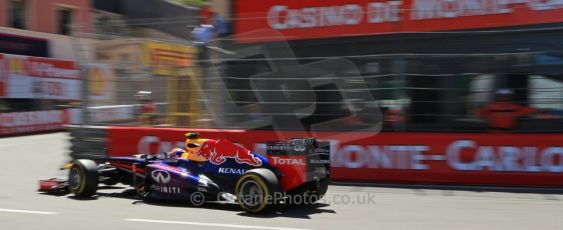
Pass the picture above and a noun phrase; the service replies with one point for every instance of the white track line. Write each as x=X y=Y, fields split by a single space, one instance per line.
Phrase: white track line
x=27 y=211
x=213 y=224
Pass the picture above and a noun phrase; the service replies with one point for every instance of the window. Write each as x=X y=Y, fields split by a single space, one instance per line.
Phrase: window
x=433 y=96
x=539 y=92
x=17 y=14
x=65 y=21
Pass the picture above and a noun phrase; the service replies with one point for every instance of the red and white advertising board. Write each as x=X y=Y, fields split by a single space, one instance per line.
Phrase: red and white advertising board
x=33 y=121
x=311 y=19
x=41 y=78
x=444 y=158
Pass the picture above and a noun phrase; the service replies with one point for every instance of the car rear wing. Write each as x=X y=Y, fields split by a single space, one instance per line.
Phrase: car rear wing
x=311 y=155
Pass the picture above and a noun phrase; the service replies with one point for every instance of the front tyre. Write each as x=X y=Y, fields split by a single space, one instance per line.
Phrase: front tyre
x=83 y=178
x=257 y=190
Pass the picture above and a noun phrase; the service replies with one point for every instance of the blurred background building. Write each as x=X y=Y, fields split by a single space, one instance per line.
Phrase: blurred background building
x=151 y=51
x=39 y=71
x=432 y=67
x=56 y=55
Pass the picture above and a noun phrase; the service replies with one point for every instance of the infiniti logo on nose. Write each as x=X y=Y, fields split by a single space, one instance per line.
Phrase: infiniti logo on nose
x=160 y=176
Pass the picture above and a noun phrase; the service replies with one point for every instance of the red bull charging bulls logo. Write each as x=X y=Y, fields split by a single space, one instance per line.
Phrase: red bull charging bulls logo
x=218 y=151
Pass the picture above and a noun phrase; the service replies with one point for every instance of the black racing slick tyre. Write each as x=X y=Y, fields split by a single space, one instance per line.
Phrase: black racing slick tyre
x=83 y=178
x=257 y=190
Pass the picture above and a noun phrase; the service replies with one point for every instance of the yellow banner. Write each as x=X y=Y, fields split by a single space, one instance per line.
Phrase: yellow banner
x=168 y=59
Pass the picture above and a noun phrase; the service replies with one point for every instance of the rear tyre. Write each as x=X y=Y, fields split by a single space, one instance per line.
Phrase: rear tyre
x=257 y=190
x=83 y=178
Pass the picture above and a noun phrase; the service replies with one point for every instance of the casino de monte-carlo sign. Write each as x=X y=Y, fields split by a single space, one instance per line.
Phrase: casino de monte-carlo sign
x=311 y=19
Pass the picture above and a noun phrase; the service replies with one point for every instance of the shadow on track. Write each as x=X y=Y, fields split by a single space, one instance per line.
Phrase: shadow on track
x=291 y=211
x=83 y=198
x=281 y=210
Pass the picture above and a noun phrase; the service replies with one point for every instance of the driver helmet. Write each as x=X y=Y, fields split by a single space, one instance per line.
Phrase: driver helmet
x=193 y=144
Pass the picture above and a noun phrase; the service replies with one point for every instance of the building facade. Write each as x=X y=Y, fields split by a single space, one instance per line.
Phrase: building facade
x=46 y=28
x=48 y=16
x=40 y=63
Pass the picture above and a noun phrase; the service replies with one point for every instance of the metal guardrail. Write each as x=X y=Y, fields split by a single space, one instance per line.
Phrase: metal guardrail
x=88 y=142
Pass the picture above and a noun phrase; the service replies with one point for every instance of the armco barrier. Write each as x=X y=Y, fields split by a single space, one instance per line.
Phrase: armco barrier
x=88 y=141
x=437 y=158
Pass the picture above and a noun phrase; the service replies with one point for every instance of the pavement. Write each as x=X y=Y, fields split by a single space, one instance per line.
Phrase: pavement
x=24 y=160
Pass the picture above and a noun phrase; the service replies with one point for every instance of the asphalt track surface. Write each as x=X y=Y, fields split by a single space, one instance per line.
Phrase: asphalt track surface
x=25 y=160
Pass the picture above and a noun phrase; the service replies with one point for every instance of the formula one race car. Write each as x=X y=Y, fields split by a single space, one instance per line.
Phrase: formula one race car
x=210 y=169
